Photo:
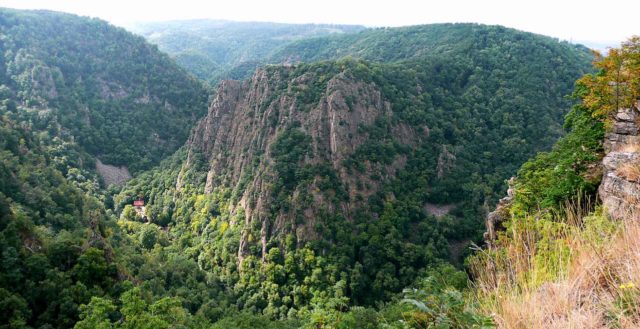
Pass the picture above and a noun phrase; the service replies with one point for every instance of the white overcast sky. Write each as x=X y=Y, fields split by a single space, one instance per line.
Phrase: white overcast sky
x=603 y=21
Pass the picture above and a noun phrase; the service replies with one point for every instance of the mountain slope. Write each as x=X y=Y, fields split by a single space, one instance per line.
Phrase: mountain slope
x=61 y=248
x=71 y=89
x=404 y=43
x=563 y=247
x=124 y=101
x=319 y=181
x=306 y=189
x=214 y=50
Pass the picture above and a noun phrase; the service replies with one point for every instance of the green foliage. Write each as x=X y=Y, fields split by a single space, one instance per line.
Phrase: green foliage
x=250 y=321
x=399 y=44
x=555 y=222
x=567 y=172
x=289 y=149
x=15 y=310
x=215 y=50
x=72 y=255
x=54 y=249
x=148 y=236
x=138 y=313
x=96 y=314
x=438 y=307
x=616 y=85
x=479 y=105
x=122 y=99
x=60 y=247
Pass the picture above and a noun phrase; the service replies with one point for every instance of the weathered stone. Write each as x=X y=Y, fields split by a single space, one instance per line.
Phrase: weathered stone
x=626 y=128
x=620 y=196
x=112 y=175
x=616 y=142
x=615 y=160
x=501 y=214
x=446 y=162
x=627 y=115
x=438 y=210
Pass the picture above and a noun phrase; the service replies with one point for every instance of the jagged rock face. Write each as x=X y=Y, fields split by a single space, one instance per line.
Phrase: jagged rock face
x=495 y=219
x=258 y=130
x=620 y=187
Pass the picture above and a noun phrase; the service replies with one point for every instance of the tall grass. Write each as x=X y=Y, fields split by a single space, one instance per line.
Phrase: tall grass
x=629 y=171
x=581 y=272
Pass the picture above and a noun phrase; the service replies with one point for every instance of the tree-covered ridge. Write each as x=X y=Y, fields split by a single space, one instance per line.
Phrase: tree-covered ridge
x=478 y=116
x=72 y=254
x=214 y=50
x=123 y=100
x=61 y=247
x=404 y=43
x=51 y=222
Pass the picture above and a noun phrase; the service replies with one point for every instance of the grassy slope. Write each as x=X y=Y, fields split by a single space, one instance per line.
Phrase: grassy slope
x=561 y=262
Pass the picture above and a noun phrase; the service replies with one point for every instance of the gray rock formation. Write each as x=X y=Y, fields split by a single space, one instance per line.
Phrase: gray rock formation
x=245 y=120
x=496 y=218
x=112 y=175
x=620 y=187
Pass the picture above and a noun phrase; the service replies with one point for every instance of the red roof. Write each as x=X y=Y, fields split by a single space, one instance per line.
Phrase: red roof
x=138 y=203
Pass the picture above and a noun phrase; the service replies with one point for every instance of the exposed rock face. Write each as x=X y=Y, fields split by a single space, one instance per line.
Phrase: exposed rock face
x=438 y=210
x=496 y=218
x=619 y=190
x=620 y=187
x=246 y=120
x=112 y=175
x=111 y=90
x=446 y=161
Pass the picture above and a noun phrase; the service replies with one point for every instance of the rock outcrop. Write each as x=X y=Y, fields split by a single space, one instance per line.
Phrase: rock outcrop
x=112 y=175
x=246 y=120
x=496 y=218
x=619 y=190
x=620 y=187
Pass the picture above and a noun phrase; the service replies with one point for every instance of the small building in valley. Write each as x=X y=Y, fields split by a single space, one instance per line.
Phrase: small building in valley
x=138 y=205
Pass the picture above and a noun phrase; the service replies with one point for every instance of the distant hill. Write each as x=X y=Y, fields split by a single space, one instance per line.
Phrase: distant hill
x=414 y=42
x=214 y=49
x=124 y=101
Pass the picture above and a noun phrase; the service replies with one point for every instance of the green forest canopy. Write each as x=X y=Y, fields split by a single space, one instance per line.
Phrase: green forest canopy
x=75 y=88
x=123 y=100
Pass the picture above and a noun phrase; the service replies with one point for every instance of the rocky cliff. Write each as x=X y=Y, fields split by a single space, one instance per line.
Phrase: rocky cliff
x=618 y=190
x=307 y=152
x=285 y=145
x=620 y=187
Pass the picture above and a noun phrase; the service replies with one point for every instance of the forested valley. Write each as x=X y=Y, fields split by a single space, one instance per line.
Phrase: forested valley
x=308 y=177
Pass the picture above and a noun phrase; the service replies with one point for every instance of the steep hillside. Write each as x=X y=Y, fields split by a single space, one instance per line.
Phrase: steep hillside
x=123 y=101
x=214 y=50
x=563 y=249
x=309 y=195
x=61 y=248
x=69 y=86
x=332 y=181
x=53 y=253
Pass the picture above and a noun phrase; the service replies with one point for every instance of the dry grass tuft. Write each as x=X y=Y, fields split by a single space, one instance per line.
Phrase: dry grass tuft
x=629 y=148
x=546 y=274
x=629 y=171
